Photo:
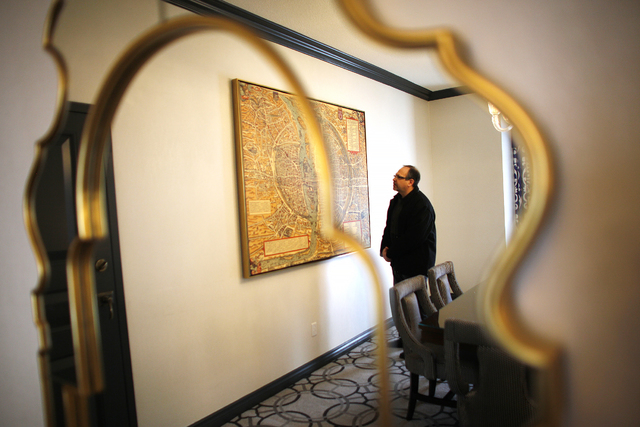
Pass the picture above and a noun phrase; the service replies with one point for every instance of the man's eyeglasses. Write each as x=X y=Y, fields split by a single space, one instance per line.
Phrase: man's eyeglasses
x=396 y=176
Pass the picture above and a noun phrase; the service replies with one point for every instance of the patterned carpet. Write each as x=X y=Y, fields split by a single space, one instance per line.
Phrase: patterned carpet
x=345 y=393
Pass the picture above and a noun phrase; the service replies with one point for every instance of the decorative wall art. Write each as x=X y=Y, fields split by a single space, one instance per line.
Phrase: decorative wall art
x=521 y=180
x=277 y=185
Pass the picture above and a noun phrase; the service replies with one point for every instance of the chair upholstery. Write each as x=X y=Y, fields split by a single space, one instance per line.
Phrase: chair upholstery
x=501 y=391
x=409 y=304
x=443 y=284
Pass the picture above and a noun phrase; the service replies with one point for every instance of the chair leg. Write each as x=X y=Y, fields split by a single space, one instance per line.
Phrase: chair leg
x=413 y=394
x=432 y=387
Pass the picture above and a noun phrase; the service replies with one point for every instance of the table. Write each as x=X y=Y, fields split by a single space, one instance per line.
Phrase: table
x=497 y=381
x=464 y=307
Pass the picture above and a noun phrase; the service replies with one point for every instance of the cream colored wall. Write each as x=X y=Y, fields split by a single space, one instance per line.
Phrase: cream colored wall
x=201 y=336
x=27 y=93
x=574 y=66
x=467 y=181
x=175 y=164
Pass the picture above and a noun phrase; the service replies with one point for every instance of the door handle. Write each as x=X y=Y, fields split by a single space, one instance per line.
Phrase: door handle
x=101 y=265
x=105 y=298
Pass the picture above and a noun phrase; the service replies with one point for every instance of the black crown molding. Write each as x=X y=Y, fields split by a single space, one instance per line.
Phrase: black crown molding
x=449 y=93
x=284 y=36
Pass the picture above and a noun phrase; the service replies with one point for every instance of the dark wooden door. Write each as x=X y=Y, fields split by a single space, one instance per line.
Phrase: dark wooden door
x=56 y=213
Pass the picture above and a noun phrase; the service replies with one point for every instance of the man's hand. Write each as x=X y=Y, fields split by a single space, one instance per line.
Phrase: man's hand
x=384 y=254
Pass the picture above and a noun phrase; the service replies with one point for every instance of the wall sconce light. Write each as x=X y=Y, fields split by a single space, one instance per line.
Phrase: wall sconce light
x=496 y=115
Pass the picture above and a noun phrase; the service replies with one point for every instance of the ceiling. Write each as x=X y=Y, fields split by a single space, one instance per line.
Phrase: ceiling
x=324 y=22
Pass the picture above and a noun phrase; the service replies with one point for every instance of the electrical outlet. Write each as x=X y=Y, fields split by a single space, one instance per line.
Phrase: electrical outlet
x=314 y=329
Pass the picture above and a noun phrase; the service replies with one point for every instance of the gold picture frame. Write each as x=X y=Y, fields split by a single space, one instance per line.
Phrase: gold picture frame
x=278 y=185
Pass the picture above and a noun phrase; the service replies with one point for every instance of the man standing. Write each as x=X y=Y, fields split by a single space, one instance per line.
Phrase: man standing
x=409 y=238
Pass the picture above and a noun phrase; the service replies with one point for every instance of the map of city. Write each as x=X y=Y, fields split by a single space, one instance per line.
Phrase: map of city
x=278 y=188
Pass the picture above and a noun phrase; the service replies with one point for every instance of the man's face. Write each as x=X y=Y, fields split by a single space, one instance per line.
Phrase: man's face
x=402 y=186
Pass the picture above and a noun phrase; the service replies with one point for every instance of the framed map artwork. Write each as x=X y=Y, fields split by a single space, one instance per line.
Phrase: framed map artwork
x=277 y=185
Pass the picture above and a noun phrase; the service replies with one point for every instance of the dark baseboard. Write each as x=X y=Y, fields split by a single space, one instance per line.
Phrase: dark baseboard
x=236 y=408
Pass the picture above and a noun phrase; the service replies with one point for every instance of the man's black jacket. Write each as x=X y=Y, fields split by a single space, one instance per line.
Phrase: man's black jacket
x=412 y=249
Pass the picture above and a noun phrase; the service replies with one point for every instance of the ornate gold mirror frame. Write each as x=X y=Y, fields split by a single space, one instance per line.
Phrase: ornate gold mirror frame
x=497 y=304
x=91 y=206
x=30 y=218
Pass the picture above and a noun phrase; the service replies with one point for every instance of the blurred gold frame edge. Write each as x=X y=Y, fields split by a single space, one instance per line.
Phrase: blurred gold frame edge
x=496 y=305
x=29 y=212
x=91 y=209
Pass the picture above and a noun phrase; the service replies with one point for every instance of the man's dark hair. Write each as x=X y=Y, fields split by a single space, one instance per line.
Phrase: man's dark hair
x=413 y=174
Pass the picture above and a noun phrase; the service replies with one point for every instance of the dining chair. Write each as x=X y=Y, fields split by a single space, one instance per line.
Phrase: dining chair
x=443 y=285
x=409 y=305
x=491 y=386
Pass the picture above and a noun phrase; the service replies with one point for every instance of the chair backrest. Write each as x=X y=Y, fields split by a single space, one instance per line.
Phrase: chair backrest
x=443 y=285
x=409 y=304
